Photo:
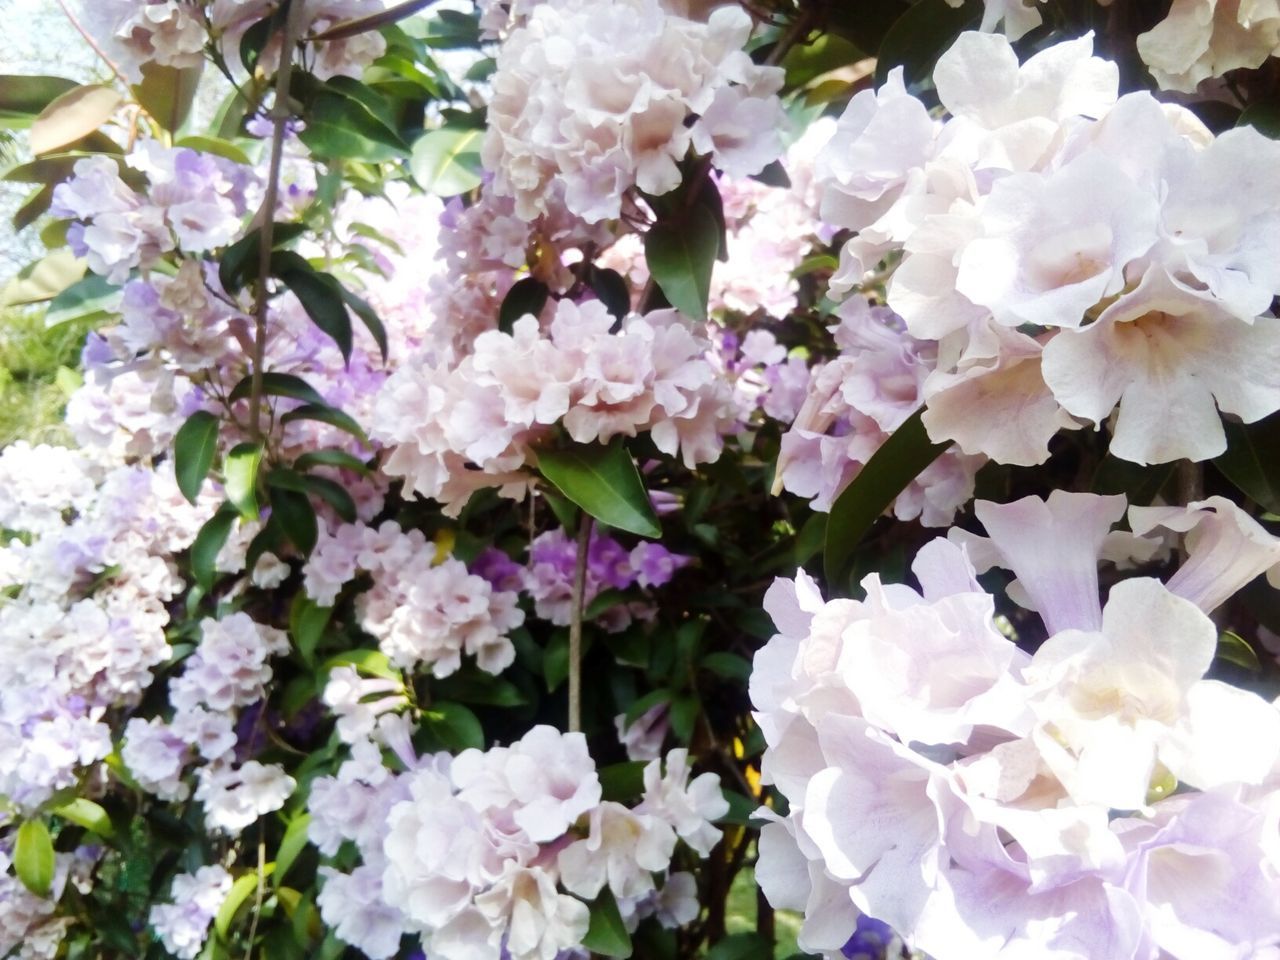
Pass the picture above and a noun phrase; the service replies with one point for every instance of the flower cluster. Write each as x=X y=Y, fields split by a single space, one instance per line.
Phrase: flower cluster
x=851 y=406
x=981 y=800
x=194 y=201
x=493 y=407
x=492 y=853
x=1046 y=312
x=227 y=673
x=425 y=610
x=595 y=99
x=84 y=624
x=174 y=33
x=194 y=901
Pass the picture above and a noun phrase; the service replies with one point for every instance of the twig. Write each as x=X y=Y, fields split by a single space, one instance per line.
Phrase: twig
x=93 y=44
x=575 y=625
x=798 y=30
x=279 y=119
x=258 y=895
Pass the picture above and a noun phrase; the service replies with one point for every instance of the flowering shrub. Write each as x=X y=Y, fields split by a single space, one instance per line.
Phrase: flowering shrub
x=548 y=471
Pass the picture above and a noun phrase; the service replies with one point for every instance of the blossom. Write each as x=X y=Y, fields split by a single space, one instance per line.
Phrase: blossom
x=196 y=897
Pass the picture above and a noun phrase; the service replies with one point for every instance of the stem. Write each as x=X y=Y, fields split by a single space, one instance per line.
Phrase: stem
x=93 y=44
x=798 y=30
x=575 y=625
x=257 y=898
x=267 y=215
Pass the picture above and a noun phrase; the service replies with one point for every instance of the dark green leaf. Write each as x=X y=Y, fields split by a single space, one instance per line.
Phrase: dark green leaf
x=602 y=601
x=240 y=474
x=326 y=414
x=684 y=714
x=602 y=480
x=240 y=260
x=321 y=296
x=646 y=703
x=607 y=933
x=361 y=308
x=774 y=175
x=680 y=257
x=1139 y=484
x=741 y=807
x=194 y=447
x=727 y=665
x=33 y=208
x=1233 y=648
x=454 y=725
x=622 y=782
x=209 y=541
x=341 y=128
x=270 y=539
x=331 y=458
x=899 y=461
x=1250 y=461
x=921 y=35
x=446 y=162
x=526 y=296
x=215 y=145
x=610 y=287
x=91 y=298
x=296 y=516
x=307 y=623
x=22 y=98
x=334 y=494
x=278 y=385
x=1263 y=117
x=33 y=858
x=741 y=946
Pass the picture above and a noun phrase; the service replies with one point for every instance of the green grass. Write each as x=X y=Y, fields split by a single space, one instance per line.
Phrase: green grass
x=37 y=374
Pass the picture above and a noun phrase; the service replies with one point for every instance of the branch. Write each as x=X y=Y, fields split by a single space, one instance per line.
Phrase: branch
x=267 y=215
x=575 y=625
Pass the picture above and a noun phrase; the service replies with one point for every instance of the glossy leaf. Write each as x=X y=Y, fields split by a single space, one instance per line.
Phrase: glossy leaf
x=33 y=208
x=1250 y=460
x=278 y=385
x=292 y=843
x=331 y=458
x=168 y=93
x=1233 y=648
x=610 y=287
x=326 y=414
x=731 y=666
x=921 y=35
x=239 y=264
x=33 y=858
x=607 y=935
x=307 y=623
x=321 y=297
x=622 y=782
x=295 y=515
x=194 y=448
x=90 y=298
x=215 y=145
x=454 y=725
x=241 y=478
x=899 y=461
x=245 y=885
x=22 y=98
x=334 y=494
x=87 y=814
x=603 y=480
x=209 y=541
x=368 y=316
x=526 y=296
x=446 y=162
x=75 y=114
x=680 y=256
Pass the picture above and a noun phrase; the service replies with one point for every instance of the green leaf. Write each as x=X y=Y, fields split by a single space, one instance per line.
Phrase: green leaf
x=245 y=885
x=372 y=662
x=607 y=933
x=43 y=280
x=33 y=208
x=91 y=298
x=321 y=296
x=1250 y=460
x=215 y=145
x=168 y=93
x=602 y=480
x=292 y=843
x=194 y=447
x=239 y=262
x=731 y=666
x=680 y=257
x=684 y=714
x=446 y=162
x=373 y=21
x=296 y=516
x=526 y=296
x=741 y=946
x=646 y=703
x=278 y=385
x=326 y=414
x=622 y=782
x=87 y=814
x=33 y=858
x=921 y=35
x=361 y=308
x=454 y=725
x=891 y=468
x=1233 y=648
x=330 y=457
x=611 y=289
x=334 y=494
x=307 y=623
x=241 y=478
x=209 y=541
x=1263 y=117
x=73 y=115
x=22 y=98
x=342 y=128
x=741 y=807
